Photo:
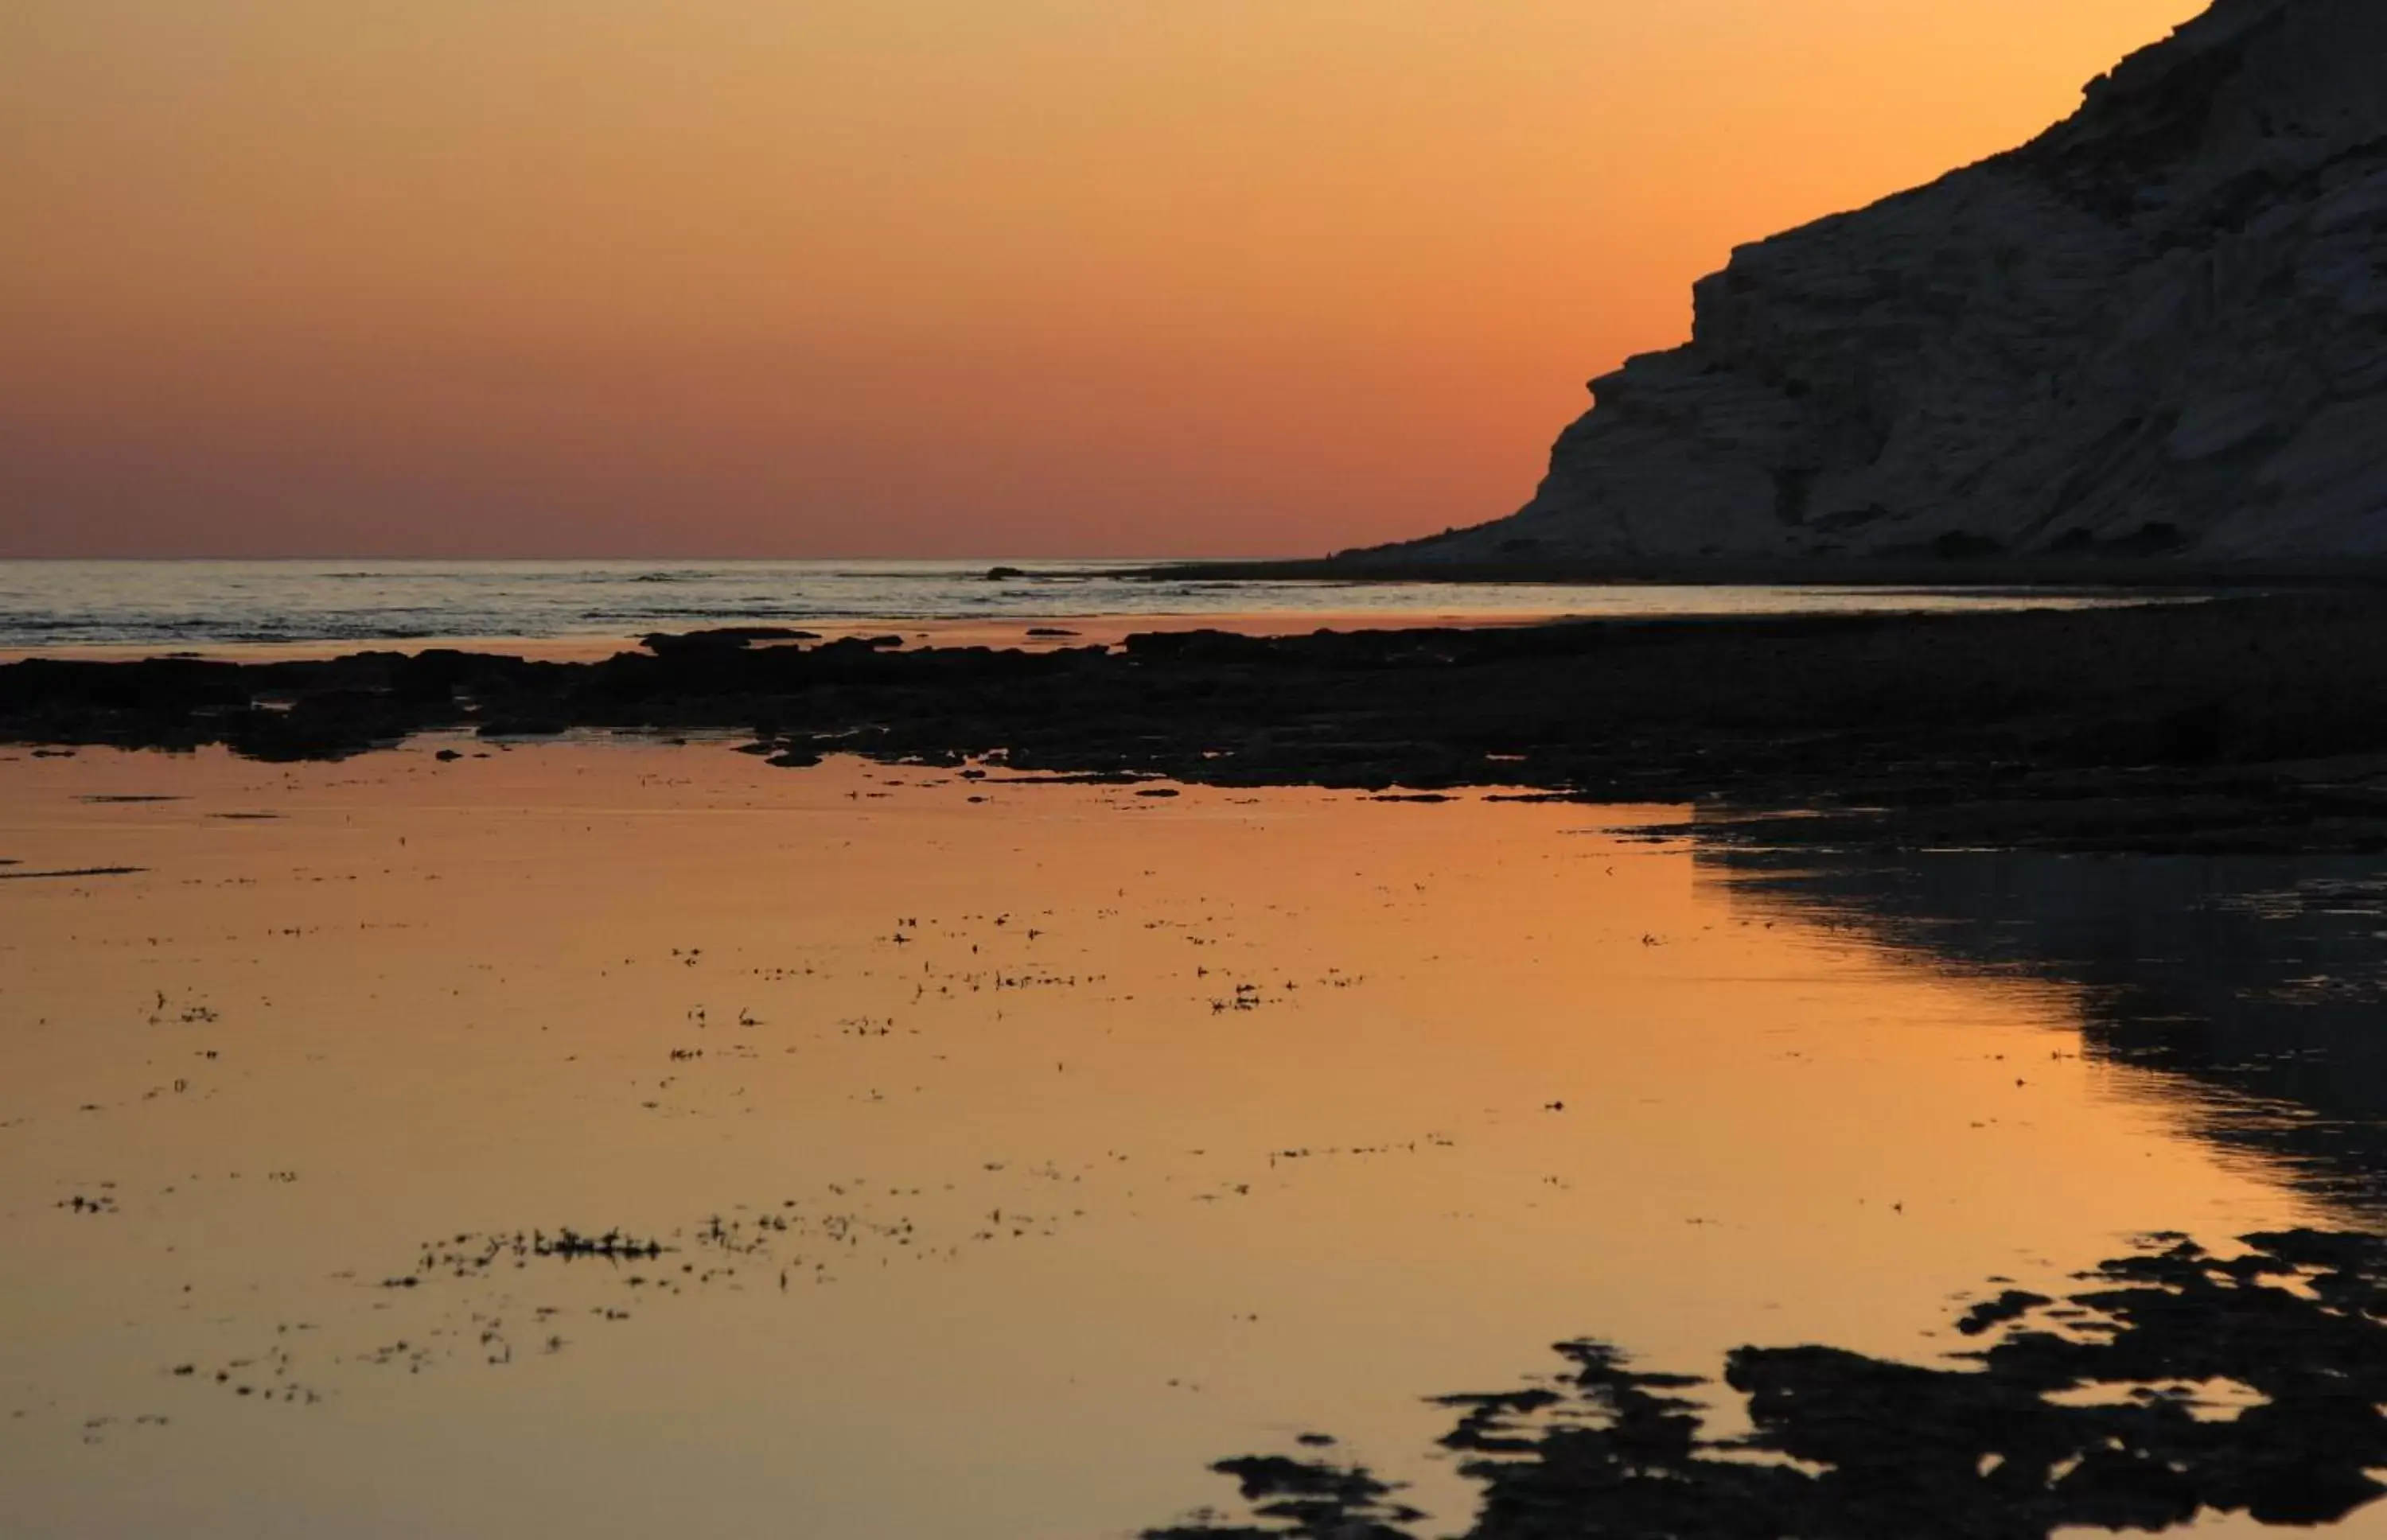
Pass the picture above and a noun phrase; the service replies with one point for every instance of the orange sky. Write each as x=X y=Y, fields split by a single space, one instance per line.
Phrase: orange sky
x=913 y=277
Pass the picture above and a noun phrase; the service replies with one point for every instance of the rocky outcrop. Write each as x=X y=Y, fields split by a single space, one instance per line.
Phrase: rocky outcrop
x=2160 y=328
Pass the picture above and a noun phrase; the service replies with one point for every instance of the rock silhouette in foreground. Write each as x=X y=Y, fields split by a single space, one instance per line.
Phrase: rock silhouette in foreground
x=2158 y=329
x=2176 y=1382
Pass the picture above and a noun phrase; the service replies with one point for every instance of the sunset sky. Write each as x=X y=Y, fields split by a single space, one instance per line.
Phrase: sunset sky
x=903 y=277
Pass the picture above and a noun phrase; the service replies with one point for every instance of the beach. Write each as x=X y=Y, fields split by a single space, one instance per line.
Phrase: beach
x=1072 y=772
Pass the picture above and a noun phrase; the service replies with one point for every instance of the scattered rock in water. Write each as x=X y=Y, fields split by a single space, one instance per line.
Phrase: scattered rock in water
x=71 y=871
x=2096 y=1412
x=469 y=1254
x=2013 y=1304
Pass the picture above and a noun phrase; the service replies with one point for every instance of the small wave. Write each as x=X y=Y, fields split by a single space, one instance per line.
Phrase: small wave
x=940 y=574
x=62 y=622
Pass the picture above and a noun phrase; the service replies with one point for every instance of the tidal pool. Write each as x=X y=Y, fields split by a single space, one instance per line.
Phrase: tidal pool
x=604 y=1137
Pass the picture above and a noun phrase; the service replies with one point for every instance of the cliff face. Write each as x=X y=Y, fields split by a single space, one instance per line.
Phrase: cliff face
x=2159 y=328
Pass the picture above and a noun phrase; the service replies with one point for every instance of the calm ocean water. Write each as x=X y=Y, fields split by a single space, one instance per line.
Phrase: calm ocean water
x=198 y=604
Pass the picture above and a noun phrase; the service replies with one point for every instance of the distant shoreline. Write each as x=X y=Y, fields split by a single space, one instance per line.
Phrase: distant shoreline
x=1799 y=573
x=565 y=609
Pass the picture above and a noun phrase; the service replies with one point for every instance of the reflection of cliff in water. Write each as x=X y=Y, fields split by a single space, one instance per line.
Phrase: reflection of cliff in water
x=2250 y=986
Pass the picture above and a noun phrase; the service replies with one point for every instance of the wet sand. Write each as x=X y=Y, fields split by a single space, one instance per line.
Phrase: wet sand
x=1010 y=1150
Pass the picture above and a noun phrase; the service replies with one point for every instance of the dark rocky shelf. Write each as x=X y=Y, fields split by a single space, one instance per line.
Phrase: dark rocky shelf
x=2254 y=722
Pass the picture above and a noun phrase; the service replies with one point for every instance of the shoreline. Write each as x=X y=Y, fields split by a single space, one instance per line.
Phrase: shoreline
x=1042 y=630
x=2245 y=722
x=1987 y=574
x=1041 y=633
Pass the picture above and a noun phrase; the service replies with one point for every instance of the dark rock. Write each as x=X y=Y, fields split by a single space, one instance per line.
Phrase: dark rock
x=1850 y=1447
x=726 y=638
x=2248 y=722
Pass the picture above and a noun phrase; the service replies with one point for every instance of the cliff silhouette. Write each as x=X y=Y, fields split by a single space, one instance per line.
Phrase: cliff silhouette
x=2159 y=330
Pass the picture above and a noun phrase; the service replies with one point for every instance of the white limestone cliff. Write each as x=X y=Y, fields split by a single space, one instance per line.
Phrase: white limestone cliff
x=2159 y=328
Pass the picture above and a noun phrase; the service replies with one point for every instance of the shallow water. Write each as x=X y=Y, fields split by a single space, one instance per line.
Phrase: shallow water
x=1017 y=1149
x=209 y=605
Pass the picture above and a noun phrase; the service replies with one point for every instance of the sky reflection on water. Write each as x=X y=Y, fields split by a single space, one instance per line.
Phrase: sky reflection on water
x=1014 y=1157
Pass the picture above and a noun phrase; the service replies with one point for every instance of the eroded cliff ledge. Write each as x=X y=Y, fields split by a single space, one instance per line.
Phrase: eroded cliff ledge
x=2159 y=329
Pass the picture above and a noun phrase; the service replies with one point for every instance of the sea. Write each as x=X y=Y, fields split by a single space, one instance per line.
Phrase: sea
x=203 y=604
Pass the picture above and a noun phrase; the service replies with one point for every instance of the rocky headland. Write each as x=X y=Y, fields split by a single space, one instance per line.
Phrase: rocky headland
x=2157 y=331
